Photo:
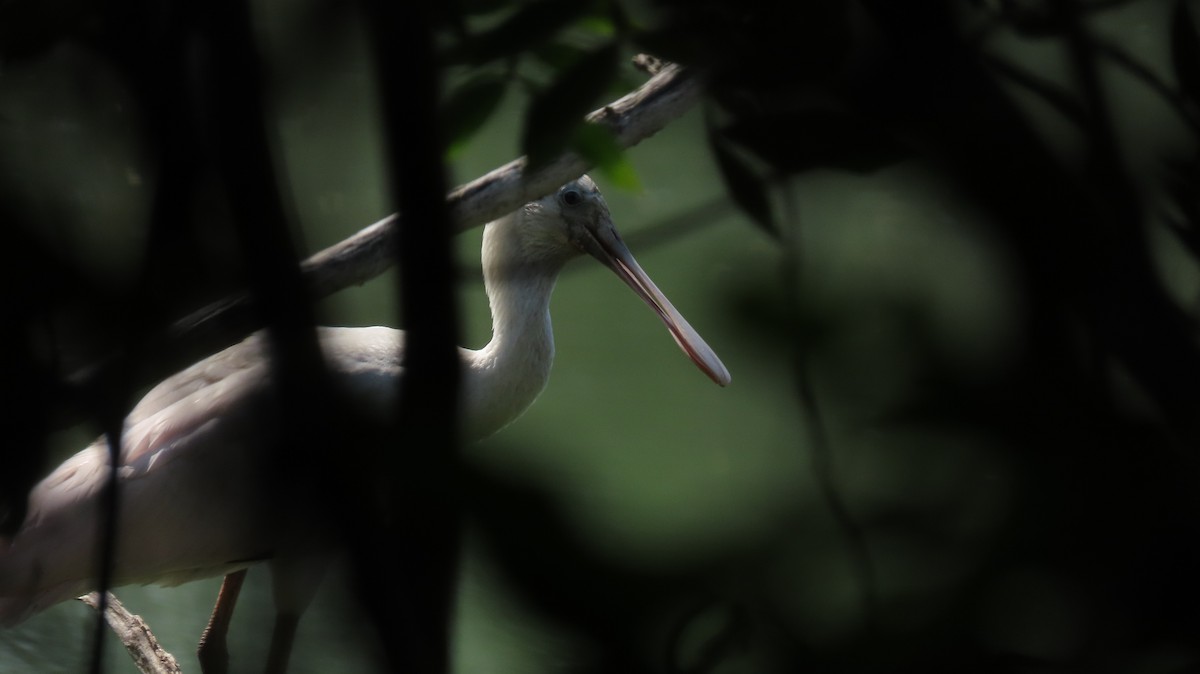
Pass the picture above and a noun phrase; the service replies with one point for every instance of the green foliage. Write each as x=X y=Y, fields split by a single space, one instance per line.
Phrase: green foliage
x=556 y=112
x=597 y=144
x=575 y=49
x=469 y=106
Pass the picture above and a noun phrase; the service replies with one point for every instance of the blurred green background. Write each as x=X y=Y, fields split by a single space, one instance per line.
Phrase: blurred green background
x=762 y=539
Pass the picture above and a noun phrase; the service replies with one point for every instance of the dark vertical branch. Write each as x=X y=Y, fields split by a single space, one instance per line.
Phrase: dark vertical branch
x=425 y=520
x=110 y=501
x=243 y=152
x=308 y=411
x=24 y=388
x=153 y=52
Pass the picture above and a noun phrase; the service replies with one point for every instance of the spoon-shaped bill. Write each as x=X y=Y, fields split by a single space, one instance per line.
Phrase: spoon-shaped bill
x=606 y=245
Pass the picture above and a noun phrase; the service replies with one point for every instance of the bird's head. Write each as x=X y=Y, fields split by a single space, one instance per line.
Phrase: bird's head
x=575 y=219
x=558 y=226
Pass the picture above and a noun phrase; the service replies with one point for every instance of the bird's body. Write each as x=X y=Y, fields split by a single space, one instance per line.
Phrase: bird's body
x=194 y=444
x=193 y=465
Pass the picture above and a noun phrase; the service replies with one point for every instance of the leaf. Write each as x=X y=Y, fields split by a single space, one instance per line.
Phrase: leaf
x=599 y=26
x=558 y=110
x=1054 y=94
x=598 y=145
x=1185 y=51
x=469 y=106
x=817 y=137
x=744 y=184
x=530 y=26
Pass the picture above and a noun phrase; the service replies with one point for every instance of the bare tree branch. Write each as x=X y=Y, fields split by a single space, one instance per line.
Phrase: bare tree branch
x=135 y=635
x=633 y=118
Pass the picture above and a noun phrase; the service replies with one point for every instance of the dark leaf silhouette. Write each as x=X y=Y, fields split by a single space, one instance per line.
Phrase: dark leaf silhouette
x=558 y=110
x=744 y=184
x=470 y=105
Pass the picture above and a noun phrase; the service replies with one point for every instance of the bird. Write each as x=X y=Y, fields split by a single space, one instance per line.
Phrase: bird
x=192 y=460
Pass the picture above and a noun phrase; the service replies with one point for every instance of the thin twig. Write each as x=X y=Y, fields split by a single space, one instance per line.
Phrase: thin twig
x=135 y=635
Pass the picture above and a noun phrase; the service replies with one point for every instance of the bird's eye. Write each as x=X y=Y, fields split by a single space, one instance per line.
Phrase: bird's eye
x=571 y=197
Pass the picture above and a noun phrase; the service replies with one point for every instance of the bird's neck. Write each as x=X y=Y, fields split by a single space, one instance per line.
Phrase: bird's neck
x=515 y=365
x=520 y=303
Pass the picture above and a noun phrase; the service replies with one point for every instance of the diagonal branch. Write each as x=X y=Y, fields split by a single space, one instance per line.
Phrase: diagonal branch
x=633 y=118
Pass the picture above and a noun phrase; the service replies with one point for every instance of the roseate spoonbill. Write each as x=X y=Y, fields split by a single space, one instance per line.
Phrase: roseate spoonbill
x=193 y=459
